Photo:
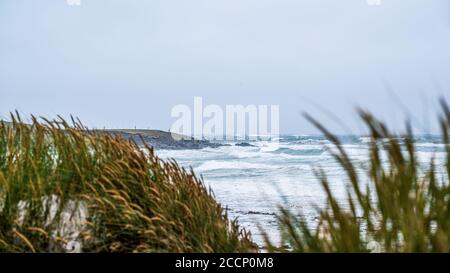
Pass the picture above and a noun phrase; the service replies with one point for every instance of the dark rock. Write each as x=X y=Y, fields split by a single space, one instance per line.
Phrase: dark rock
x=244 y=144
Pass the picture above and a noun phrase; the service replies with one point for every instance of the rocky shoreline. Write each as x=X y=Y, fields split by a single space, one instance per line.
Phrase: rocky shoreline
x=164 y=140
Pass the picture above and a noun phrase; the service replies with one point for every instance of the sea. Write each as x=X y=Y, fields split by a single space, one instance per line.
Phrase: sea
x=253 y=182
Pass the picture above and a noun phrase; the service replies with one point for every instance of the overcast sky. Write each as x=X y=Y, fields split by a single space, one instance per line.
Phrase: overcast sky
x=126 y=63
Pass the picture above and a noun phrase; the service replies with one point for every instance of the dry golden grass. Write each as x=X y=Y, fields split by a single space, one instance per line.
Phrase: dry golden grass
x=64 y=187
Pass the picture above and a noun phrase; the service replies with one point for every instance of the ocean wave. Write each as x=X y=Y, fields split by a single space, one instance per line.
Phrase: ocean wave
x=231 y=165
x=300 y=152
x=252 y=212
x=245 y=153
x=266 y=146
x=365 y=139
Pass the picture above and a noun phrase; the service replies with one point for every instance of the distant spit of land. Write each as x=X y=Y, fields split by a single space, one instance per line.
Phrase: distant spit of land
x=161 y=139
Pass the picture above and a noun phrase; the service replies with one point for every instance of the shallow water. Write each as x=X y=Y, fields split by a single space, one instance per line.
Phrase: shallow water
x=253 y=181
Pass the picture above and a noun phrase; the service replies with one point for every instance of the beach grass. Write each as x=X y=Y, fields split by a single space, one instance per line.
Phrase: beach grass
x=396 y=206
x=64 y=188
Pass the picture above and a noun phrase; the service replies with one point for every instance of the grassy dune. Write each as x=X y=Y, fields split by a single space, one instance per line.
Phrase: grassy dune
x=64 y=188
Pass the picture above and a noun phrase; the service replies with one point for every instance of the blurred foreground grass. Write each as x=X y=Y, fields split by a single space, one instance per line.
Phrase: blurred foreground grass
x=396 y=207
